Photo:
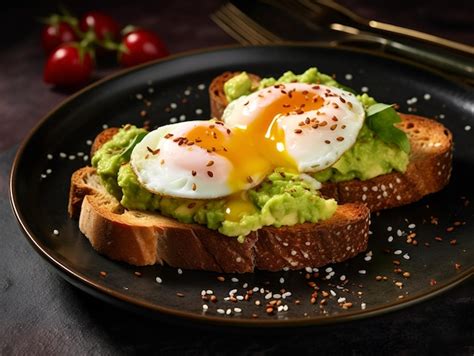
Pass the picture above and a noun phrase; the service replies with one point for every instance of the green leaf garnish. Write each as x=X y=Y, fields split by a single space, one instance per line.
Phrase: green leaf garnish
x=125 y=155
x=381 y=119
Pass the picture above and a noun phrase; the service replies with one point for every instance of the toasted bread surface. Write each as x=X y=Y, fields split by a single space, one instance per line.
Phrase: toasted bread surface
x=145 y=238
x=429 y=168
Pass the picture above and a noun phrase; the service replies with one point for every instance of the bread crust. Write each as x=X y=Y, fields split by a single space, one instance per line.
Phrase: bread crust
x=428 y=171
x=218 y=100
x=145 y=238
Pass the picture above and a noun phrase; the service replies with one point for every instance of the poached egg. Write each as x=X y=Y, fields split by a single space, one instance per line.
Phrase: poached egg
x=299 y=127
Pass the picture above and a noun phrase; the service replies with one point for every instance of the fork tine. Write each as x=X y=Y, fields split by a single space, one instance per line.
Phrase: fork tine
x=252 y=24
x=241 y=27
x=222 y=23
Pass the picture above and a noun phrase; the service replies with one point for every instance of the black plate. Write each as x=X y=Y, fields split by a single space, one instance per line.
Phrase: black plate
x=176 y=89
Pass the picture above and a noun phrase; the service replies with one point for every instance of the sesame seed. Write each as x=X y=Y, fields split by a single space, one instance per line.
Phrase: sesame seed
x=173 y=120
x=201 y=86
x=72 y=157
x=364 y=89
x=342 y=278
x=362 y=271
x=406 y=256
x=282 y=280
x=199 y=111
x=340 y=138
x=363 y=306
x=158 y=280
x=348 y=76
x=467 y=128
x=411 y=226
x=390 y=239
x=235 y=280
x=49 y=156
x=55 y=232
x=220 y=311
x=105 y=126
x=205 y=307
x=268 y=295
x=327 y=142
x=210 y=174
x=298 y=131
x=180 y=271
x=397 y=252
x=332 y=293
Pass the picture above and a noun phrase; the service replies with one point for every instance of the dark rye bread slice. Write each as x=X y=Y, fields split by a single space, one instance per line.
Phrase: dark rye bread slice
x=144 y=238
x=429 y=169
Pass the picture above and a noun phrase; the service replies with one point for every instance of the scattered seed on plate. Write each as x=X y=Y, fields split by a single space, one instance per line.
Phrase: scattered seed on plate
x=235 y=280
x=363 y=306
x=201 y=86
x=364 y=89
x=180 y=271
x=182 y=117
x=198 y=111
x=158 y=280
x=362 y=271
x=390 y=239
x=139 y=96
x=467 y=128
x=397 y=252
x=173 y=105
x=348 y=76
x=205 y=307
x=49 y=156
x=105 y=126
x=88 y=142
x=173 y=120
x=427 y=96
x=55 y=232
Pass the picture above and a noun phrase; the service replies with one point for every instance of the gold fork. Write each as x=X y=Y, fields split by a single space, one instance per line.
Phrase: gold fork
x=241 y=27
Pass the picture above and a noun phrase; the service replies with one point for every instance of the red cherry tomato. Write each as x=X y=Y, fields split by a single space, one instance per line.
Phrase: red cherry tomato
x=68 y=66
x=54 y=35
x=104 y=26
x=140 y=46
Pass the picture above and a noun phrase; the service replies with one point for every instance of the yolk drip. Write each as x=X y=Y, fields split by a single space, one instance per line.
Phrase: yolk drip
x=254 y=150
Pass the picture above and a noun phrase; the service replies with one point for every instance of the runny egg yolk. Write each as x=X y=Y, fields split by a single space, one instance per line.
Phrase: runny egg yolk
x=254 y=150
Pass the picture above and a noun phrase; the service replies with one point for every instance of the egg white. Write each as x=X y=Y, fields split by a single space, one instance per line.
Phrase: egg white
x=312 y=149
x=170 y=172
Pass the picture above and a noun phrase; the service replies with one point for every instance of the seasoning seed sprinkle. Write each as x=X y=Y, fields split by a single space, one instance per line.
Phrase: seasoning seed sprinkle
x=340 y=138
x=210 y=174
x=298 y=131
x=210 y=163
x=194 y=187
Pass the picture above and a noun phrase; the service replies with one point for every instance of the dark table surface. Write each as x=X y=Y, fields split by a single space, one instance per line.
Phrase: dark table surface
x=41 y=313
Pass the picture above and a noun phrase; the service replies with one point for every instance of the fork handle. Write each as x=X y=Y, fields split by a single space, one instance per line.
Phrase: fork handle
x=438 y=60
x=436 y=40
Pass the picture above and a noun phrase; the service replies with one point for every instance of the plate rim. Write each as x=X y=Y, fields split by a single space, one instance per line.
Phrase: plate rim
x=99 y=291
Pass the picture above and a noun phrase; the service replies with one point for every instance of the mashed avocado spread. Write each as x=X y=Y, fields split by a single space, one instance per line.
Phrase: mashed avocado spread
x=370 y=156
x=281 y=199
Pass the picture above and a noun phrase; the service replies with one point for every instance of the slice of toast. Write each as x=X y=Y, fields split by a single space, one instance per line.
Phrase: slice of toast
x=146 y=238
x=428 y=171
